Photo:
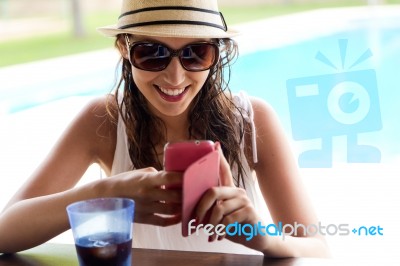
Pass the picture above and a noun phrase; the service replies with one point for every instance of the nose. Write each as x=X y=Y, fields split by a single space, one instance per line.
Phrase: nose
x=174 y=73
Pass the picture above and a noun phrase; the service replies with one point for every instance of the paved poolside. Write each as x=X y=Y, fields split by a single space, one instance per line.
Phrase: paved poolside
x=27 y=136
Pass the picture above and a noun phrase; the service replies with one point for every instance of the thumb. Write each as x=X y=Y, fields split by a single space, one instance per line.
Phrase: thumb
x=225 y=174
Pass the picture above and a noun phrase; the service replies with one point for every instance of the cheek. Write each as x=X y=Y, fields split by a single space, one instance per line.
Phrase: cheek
x=143 y=78
x=200 y=77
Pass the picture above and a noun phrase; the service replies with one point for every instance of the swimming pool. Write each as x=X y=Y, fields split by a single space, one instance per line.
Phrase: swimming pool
x=30 y=85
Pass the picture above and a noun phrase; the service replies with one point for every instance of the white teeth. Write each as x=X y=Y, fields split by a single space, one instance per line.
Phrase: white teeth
x=175 y=92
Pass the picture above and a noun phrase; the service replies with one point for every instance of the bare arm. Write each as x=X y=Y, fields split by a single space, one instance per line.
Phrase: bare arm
x=37 y=212
x=282 y=188
x=282 y=191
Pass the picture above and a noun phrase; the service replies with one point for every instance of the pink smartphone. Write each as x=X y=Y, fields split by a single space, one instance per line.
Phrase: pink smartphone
x=199 y=160
x=179 y=155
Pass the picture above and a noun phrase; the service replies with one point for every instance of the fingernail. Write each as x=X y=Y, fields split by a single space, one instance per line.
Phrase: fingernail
x=217 y=145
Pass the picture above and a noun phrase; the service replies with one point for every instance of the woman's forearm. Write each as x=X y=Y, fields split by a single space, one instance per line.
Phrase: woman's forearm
x=31 y=222
x=296 y=247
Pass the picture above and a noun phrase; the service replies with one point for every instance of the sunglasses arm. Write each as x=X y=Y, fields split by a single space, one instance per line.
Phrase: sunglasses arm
x=128 y=45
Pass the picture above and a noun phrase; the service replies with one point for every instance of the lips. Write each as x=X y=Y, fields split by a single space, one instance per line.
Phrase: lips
x=172 y=95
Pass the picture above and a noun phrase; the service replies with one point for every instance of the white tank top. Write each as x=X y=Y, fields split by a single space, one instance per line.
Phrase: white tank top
x=170 y=238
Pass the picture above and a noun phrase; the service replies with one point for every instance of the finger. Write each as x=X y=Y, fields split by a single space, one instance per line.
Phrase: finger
x=220 y=210
x=165 y=195
x=238 y=216
x=226 y=178
x=158 y=220
x=246 y=213
x=159 y=208
x=224 y=208
x=167 y=179
x=212 y=195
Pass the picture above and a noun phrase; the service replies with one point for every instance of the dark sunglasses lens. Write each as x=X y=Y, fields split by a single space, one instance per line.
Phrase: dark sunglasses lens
x=150 y=56
x=198 y=57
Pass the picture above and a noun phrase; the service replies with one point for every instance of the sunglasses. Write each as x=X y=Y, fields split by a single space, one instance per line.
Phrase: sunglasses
x=153 y=56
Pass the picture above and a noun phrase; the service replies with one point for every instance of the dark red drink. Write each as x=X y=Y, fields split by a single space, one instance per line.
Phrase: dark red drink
x=108 y=249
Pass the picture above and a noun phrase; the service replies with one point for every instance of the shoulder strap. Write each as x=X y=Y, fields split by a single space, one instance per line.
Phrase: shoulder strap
x=242 y=100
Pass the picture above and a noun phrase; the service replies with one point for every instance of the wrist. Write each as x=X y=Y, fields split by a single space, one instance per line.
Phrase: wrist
x=98 y=189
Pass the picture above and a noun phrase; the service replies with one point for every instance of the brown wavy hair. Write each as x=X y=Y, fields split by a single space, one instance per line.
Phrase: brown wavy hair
x=213 y=115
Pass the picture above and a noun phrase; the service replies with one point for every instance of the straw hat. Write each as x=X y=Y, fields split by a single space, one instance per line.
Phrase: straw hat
x=170 y=18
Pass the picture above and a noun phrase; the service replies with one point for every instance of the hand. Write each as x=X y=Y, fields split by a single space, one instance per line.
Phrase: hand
x=227 y=204
x=157 y=195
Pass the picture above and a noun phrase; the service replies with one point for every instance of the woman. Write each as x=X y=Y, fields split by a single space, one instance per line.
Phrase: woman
x=172 y=88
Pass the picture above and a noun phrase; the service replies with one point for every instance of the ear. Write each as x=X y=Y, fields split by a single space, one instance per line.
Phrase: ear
x=121 y=45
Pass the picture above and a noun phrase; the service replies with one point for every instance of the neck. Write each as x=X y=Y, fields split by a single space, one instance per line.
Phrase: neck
x=177 y=127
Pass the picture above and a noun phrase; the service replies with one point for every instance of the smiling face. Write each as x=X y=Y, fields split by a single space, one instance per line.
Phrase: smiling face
x=169 y=92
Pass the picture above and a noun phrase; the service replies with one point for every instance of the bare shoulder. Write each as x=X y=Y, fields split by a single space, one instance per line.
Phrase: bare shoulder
x=95 y=128
x=273 y=148
x=99 y=115
x=89 y=138
x=260 y=105
x=100 y=107
x=265 y=117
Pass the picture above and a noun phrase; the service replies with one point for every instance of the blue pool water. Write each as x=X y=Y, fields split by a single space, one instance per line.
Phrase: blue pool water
x=28 y=91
